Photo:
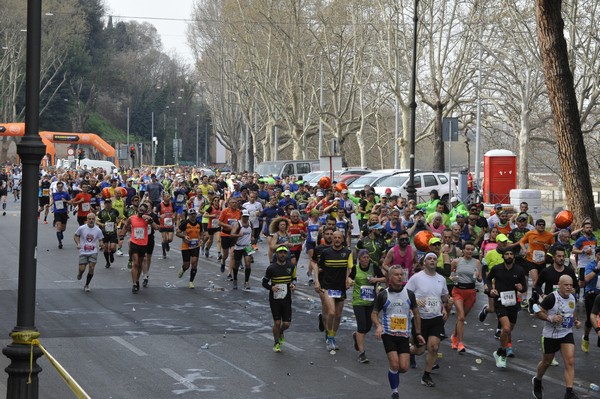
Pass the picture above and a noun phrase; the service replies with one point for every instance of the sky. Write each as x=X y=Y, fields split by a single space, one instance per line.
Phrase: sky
x=169 y=22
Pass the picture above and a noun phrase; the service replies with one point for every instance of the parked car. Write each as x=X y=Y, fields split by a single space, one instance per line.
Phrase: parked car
x=372 y=178
x=424 y=183
x=287 y=167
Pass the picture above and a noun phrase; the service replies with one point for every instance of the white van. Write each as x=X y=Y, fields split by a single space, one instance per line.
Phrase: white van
x=89 y=164
x=287 y=168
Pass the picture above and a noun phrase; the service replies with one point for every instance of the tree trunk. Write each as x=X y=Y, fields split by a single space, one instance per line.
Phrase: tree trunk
x=523 y=174
x=439 y=162
x=561 y=92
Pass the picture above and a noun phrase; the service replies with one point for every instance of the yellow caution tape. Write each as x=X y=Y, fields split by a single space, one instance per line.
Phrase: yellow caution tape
x=31 y=338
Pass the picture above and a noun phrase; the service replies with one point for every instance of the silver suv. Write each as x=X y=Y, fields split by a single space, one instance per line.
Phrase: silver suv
x=424 y=183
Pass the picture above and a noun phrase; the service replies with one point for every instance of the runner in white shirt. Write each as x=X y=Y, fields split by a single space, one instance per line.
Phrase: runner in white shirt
x=254 y=209
x=88 y=238
x=433 y=302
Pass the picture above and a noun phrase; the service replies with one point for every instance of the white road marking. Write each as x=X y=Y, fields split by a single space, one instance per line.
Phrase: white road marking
x=285 y=345
x=188 y=380
x=127 y=345
x=256 y=388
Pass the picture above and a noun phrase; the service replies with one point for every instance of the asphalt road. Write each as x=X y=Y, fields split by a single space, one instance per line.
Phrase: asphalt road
x=172 y=342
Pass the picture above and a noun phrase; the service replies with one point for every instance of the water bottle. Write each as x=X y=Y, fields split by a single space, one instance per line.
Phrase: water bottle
x=594 y=387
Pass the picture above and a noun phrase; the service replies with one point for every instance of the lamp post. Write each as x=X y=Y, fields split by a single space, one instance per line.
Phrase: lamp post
x=321 y=113
x=23 y=370
x=410 y=189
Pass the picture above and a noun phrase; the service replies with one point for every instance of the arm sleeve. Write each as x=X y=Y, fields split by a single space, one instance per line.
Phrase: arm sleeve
x=266 y=279
x=548 y=302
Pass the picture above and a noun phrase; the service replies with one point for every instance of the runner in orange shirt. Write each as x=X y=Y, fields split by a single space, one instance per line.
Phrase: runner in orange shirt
x=82 y=200
x=228 y=218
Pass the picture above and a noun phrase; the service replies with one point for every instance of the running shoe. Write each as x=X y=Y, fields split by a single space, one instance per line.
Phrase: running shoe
x=554 y=362
x=168 y=245
x=537 y=390
x=145 y=282
x=60 y=246
x=395 y=395
x=180 y=274
x=500 y=360
x=107 y=265
x=119 y=252
x=247 y=285
x=321 y=325
x=454 y=344
x=311 y=281
x=571 y=395
x=277 y=348
x=222 y=267
x=330 y=344
x=461 y=348
x=427 y=381
x=509 y=352
x=362 y=358
x=281 y=338
x=355 y=341
x=585 y=345
x=191 y=285
x=497 y=333
x=335 y=344
x=135 y=289
x=79 y=275
x=86 y=288
x=229 y=277
x=483 y=313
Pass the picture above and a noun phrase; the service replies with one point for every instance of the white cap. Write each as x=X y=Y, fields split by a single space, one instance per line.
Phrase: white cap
x=286 y=193
x=453 y=199
x=320 y=194
x=344 y=191
x=245 y=213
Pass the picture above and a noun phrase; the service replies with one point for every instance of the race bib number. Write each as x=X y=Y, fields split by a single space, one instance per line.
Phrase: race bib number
x=231 y=222
x=45 y=192
x=568 y=322
x=168 y=222
x=193 y=243
x=109 y=227
x=539 y=256
x=508 y=298
x=334 y=293
x=85 y=207
x=295 y=238
x=555 y=287
x=399 y=323
x=281 y=292
x=60 y=205
x=214 y=223
x=367 y=293
x=314 y=235
x=180 y=198
x=249 y=250
x=432 y=304
x=138 y=233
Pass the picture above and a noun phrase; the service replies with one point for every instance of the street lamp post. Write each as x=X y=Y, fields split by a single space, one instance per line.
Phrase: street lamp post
x=321 y=112
x=23 y=370
x=410 y=189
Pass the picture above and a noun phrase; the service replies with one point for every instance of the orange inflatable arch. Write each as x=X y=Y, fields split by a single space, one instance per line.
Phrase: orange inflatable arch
x=49 y=138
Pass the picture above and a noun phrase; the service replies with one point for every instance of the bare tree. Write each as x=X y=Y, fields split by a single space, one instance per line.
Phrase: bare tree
x=563 y=102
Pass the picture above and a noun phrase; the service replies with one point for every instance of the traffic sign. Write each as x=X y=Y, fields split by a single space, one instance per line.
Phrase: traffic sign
x=70 y=152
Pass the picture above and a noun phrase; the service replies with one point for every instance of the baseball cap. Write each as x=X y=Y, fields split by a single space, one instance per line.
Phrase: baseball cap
x=498 y=206
x=245 y=213
x=320 y=194
x=460 y=216
x=108 y=200
x=282 y=249
x=418 y=211
x=453 y=199
x=540 y=221
x=287 y=193
x=521 y=217
x=375 y=227
x=501 y=238
x=388 y=190
x=434 y=240
x=344 y=191
x=192 y=211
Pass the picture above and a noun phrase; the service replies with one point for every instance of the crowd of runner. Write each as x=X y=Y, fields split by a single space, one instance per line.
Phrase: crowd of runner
x=408 y=267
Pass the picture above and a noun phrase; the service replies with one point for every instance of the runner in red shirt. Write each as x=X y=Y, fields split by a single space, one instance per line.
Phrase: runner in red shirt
x=82 y=200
